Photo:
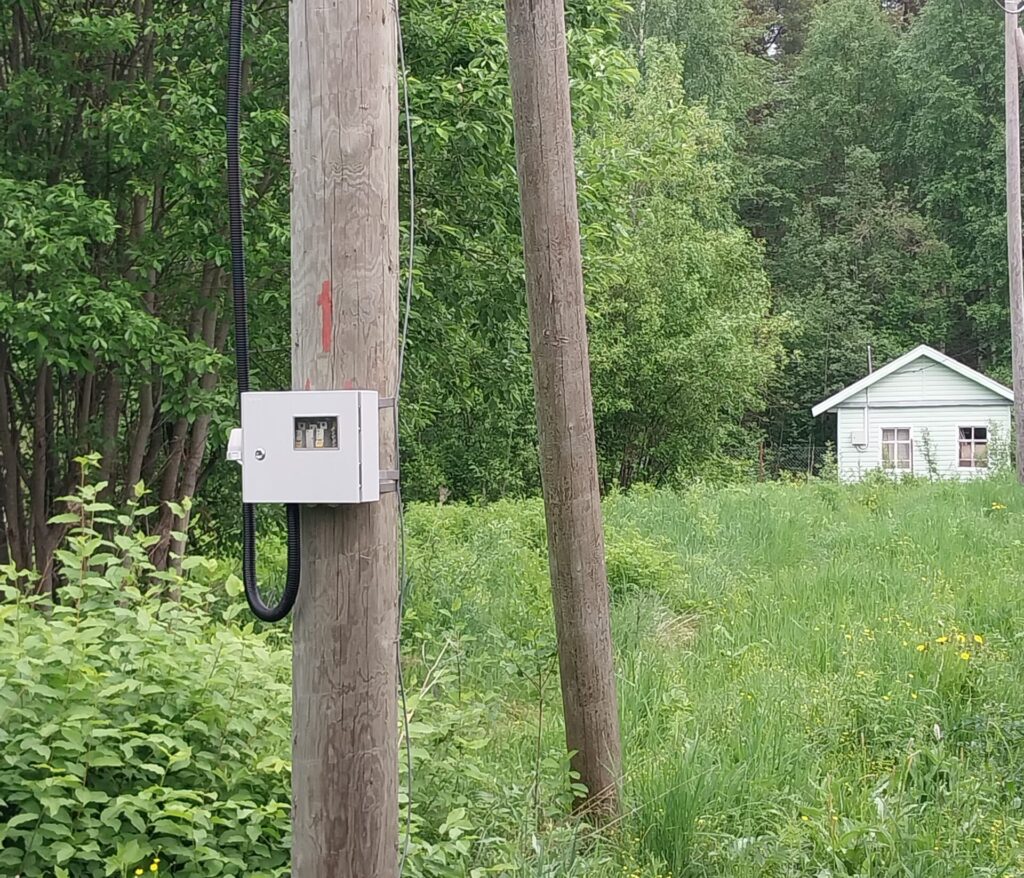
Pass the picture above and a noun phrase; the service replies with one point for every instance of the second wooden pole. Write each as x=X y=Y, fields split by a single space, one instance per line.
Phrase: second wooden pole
x=1013 y=233
x=538 y=69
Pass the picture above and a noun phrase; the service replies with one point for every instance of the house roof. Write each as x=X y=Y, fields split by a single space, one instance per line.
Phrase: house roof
x=897 y=364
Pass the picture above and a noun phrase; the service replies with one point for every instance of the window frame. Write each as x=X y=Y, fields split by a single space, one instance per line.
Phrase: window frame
x=974 y=442
x=896 y=442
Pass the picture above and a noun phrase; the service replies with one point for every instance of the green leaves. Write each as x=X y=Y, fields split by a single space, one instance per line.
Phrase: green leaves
x=112 y=240
x=688 y=289
x=882 y=207
x=51 y=302
x=468 y=421
x=134 y=725
x=113 y=751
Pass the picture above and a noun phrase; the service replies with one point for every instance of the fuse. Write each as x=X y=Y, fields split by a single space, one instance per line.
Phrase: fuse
x=316 y=433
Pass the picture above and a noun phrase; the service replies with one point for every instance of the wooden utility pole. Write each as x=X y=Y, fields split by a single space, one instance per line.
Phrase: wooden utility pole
x=1013 y=232
x=538 y=69
x=344 y=284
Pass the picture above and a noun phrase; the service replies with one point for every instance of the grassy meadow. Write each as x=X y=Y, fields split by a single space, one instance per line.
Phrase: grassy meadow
x=814 y=680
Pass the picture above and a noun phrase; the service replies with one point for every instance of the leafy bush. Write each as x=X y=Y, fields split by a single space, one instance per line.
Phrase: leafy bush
x=137 y=731
x=144 y=727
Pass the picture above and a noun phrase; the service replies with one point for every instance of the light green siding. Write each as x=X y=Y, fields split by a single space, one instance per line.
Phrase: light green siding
x=925 y=381
x=934 y=434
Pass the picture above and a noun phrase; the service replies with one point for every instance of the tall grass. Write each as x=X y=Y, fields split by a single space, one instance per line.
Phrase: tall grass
x=813 y=679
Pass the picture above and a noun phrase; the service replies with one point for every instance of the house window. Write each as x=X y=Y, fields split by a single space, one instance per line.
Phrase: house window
x=897 y=449
x=974 y=447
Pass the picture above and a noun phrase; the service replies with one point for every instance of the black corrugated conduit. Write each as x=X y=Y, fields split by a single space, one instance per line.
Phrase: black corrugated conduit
x=272 y=612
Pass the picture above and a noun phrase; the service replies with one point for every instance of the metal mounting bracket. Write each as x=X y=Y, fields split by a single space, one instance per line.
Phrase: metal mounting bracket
x=388 y=477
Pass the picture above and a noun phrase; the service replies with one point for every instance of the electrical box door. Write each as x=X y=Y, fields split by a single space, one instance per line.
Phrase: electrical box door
x=308 y=446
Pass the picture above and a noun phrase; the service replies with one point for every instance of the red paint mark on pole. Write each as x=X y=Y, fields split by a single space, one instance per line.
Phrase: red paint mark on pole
x=326 y=303
x=309 y=385
x=347 y=384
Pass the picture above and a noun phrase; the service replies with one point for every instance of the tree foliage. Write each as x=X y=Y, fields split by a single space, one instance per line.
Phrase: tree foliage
x=114 y=328
x=710 y=37
x=878 y=204
x=881 y=198
x=113 y=323
x=954 y=159
x=468 y=425
x=681 y=345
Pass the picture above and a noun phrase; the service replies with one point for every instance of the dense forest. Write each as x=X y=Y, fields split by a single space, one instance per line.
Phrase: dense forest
x=766 y=189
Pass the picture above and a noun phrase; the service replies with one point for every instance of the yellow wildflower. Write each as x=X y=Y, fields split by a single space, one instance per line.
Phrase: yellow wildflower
x=965 y=655
x=913 y=695
x=921 y=647
x=978 y=638
x=139 y=872
x=960 y=638
x=942 y=639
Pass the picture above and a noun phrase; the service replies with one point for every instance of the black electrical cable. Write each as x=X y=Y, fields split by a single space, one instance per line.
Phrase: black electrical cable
x=266 y=612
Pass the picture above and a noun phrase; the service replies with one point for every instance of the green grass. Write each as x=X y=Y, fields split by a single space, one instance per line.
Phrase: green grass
x=813 y=681
x=788 y=705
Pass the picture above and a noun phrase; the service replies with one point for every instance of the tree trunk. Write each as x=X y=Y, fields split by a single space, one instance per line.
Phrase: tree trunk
x=538 y=69
x=37 y=489
x=109 y=430
x=141 y=438
x=17 y=540
x=83 y=406
x=169 y=493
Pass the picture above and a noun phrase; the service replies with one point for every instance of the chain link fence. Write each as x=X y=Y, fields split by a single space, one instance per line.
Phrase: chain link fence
x=792 y=460
x=766 y=463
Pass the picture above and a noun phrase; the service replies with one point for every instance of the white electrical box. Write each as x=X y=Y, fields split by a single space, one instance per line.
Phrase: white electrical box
x=308 y=446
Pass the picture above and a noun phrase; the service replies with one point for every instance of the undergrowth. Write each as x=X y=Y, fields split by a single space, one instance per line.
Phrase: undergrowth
x=814 y=680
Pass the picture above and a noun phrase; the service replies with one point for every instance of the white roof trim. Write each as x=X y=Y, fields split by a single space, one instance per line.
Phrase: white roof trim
x=897 y=364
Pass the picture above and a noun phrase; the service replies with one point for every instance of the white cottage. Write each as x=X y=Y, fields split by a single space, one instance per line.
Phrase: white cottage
x=923 y=413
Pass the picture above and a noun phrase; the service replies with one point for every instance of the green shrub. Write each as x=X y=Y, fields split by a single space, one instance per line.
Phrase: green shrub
x=145 y=722
x=138 y=731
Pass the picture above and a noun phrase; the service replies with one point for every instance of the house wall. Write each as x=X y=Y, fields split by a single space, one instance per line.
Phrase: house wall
x=924 y=382
x=939 y=423
x=931 y=399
